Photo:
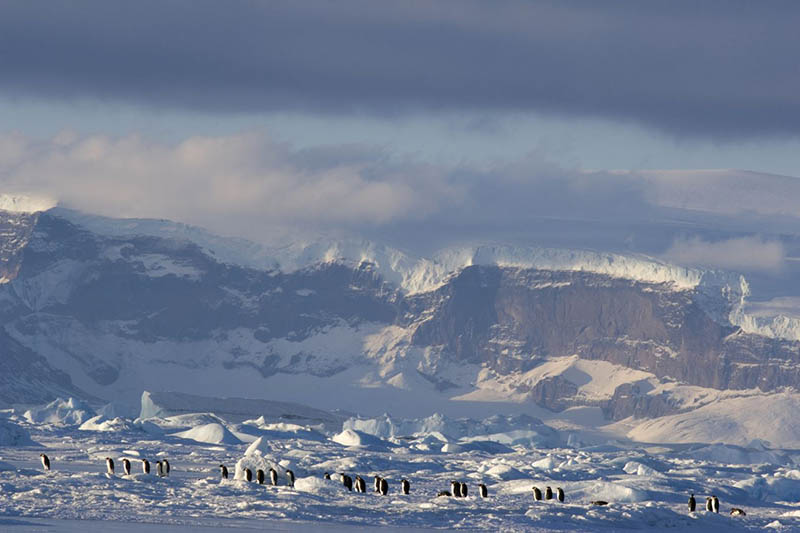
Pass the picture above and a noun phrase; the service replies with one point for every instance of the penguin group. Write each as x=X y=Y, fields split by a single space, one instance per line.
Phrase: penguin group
x=548 y=494
x=261 y=476
x=162 y=467
x=379 y=484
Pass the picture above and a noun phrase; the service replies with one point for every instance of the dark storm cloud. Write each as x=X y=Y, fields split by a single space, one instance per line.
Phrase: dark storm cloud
x=725 y=69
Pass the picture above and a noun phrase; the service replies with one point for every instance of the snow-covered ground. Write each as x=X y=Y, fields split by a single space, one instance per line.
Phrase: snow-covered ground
x=646 y=486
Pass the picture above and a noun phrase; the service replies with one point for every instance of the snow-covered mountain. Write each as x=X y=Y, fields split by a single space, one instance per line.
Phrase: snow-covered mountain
x=106 y=308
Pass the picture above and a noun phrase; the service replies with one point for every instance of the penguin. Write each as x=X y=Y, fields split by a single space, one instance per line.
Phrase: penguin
x=692 y=503
x=560 y=494
x=273 y=476
x=376 y=483
x=455 y=488
x=126 y=466
x=248 y=474
x=405 y=486
x=45 y=462
x=361 y=485
x=537 y=494
x=159 y=469
x=146 y=466
x=165 y=464
x=224 y=471
x=715 y=503
x=464 y=490
x=347 y=481
x=443 y=493
x=483 y=490
x=326 y=475
x=735 y=511
x=548 y=493
x=599 y=502
x=109 y=466
x=260 y=476
x=384 y=487
x=709 y=505
x=290 y=476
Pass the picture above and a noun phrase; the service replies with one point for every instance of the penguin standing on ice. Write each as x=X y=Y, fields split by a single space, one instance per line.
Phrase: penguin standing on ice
x=548 y=493
x=126 y=466
x=223 y=470
x=273 y=477
x=361 y=485
x=464 y=490
x=347 y=481
x=109 y=466
x=692 y=503
x=260 y=476
x=405 y=486
x=537 y=494
x=484 y=492
x=376 y=483
x=159 y=469
x=560 y=494
x=455 y=488
x=715 y=503
x=290 y=477
x=384 y=487
x=45 y=462
x=709 y=505
x=165 y=464
x=146 y=466
x=248 y=474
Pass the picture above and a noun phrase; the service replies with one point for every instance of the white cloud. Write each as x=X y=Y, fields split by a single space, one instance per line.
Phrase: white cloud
x=739 y=254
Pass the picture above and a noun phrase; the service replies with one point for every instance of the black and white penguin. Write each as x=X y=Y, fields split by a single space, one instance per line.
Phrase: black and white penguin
x=443 y=493
x=45 y=462
x=224 y=471
x=483 y=491
x=709 y=505
x=347 y=481
x=159 y=469
x=248 y=474
x=360 y=484
x=537 y=494
x=715 y=503
x=692 y=503
x=560 y=494
x=464 y=490
x=126 y=466
x=326 y=475
x=455 y=488
x=384 y=487
x=260 y=476
x=146 y=466
x=376 y=483
x=548 y=493
x=165 y=465
x=273 y=477
x=735 y=511
x=290 y=477
x=405 y=486
x=109 y=466
x=599 y=502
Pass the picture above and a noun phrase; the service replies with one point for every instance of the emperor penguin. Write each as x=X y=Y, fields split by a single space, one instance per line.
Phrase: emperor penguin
x=464 y=490
x=537 y=494
x=159 y=469
x=483 y=491
x=692 y=503
x=715 y=503
x=45 y=462
x=376 y=483
x=384 y=487
x=260 y=476
x=347 y=481
x=290 y=477
x=548 y=493
x=735 y=511
x=560 y=494
x=326 y=475
x=126 y=466
x=709 y=504
x=273 y=477
x=165 y=464
x=248 y=474
x=224 y=471
x=455 y=488
x=146 y=466
x=405 y=486
x=109 y=466
x=361 y=485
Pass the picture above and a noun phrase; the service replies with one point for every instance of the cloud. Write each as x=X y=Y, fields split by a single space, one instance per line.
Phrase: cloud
x=746 y=254
x=711 y=69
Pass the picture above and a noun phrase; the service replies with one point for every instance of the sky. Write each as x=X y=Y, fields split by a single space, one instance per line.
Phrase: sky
x=423 y=123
